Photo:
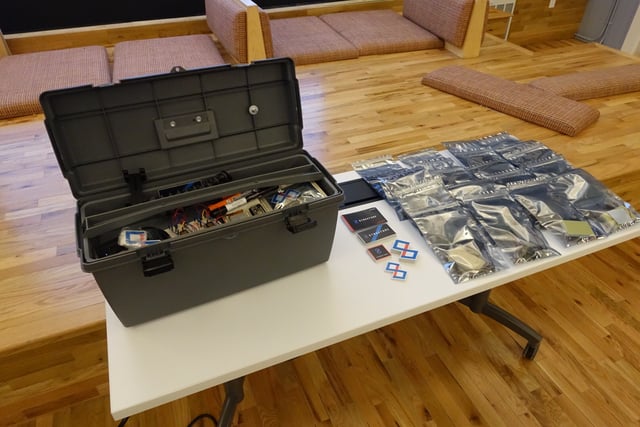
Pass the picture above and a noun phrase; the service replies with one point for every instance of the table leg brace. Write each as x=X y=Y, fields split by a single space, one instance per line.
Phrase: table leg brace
x=479 y=303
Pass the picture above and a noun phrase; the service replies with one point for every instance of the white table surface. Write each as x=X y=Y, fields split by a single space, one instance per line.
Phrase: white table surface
x=177 y=355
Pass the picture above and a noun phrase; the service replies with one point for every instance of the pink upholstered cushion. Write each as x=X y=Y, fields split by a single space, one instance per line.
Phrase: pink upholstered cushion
x=24 y=77
x=308 y=40
x=446 y=19
x=227 y=19
x=381 y=31
x=155 y=56
x=593 y=84
x=519 y=100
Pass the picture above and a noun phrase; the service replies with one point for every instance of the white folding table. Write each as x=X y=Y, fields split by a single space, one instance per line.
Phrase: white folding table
x=151 y=364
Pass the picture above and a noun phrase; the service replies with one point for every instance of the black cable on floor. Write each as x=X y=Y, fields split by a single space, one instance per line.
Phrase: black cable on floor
x=191 y=424
x=203 y=416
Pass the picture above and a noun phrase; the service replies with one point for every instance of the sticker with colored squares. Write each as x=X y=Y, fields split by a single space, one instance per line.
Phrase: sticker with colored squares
x=402 y=247
x=396 y=272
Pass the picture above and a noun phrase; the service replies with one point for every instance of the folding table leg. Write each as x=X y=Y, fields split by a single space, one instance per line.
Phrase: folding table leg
x=234 y=393
x=479 y=303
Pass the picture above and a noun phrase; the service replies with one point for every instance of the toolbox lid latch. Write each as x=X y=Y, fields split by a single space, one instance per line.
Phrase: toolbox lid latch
x=134 y=181
x=299 y=221
x=156 y=259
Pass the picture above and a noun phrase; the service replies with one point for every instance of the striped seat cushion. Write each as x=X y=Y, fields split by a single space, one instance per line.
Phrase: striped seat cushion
x=24 y=77
x=448 y=20
x=376 y=32
x=156 y=56
x=593 y=84
x=308 y=40
x=519 y=100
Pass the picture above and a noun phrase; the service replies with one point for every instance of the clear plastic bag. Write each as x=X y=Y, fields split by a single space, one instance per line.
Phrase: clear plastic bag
x=477 y=190
x=510 y=228
x=291 y=195
x=417 y=201
x=431 y=160
x=456 y=177
x=380 y=169
x=474 y=159
x=535 y=154
x=465 y=147
x=553 y=212
x=610 y=212
x=394 y=188
x=455 y=238
x=595 y=201
x=502 y=141
x=549 y=168
x=494 y=170
x=516 y=178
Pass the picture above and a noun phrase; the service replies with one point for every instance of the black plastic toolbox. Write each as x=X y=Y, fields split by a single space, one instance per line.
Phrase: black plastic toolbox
x=139 y=153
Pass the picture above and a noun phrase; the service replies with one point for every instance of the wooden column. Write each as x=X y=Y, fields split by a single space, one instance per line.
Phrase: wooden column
x=255 y=38
x=4 y=49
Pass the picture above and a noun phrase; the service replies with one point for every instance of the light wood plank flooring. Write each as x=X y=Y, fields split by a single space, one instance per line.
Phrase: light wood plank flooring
x=448 y=367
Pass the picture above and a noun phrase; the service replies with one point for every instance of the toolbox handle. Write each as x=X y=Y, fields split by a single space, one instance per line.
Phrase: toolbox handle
x=156 y=261
x=299 y=222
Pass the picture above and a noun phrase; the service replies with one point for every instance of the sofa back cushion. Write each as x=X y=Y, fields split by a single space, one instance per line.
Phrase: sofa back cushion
x=447 y=19
x=227 y=20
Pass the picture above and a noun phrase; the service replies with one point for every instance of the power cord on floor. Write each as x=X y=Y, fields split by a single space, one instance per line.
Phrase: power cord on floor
x=203 y=416
x=191 y=424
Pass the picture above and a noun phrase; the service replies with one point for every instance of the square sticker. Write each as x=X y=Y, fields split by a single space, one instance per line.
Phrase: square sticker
x=578 y=228
x=378 y=252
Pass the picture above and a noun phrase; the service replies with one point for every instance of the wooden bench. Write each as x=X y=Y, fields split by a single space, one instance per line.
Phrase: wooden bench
x=25 y=76
x=248 y=34
x=242 y=27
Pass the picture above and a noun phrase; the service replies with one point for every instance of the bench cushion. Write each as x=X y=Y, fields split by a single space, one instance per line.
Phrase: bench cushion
x=376 y=32
x=446 y=19
x=24 y=77
x=227 y=20
x=155 y=56
x=308 y=40
x=520 y=100
x=593 y=84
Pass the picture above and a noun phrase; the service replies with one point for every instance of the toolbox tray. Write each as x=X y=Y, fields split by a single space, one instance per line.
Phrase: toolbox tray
x=138 y=150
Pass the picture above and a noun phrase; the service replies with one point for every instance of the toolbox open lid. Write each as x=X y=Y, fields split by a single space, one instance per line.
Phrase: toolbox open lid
x=164 y=126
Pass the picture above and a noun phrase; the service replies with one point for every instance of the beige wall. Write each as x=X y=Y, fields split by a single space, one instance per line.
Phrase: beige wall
x=632 y=41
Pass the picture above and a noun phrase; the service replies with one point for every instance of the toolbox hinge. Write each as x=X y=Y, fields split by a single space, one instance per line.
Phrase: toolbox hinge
x=135 y=180
x=297 y=220
x=156 y=259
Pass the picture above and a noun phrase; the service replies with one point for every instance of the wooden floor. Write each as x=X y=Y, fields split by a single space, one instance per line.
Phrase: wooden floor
x=448 y=367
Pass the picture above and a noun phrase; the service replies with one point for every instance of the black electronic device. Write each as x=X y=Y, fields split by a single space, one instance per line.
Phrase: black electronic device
x=357 y=192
